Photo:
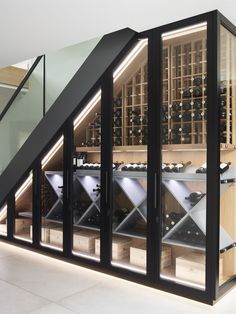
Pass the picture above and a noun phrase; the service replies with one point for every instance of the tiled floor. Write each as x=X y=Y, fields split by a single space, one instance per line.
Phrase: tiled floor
x=32 y=283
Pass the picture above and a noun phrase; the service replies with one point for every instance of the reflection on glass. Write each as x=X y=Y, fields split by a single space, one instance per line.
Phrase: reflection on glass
x=3 y=220
x=52 y=197
x=23 y=210
x=130 y=127
x=86 y=180
x=184 y=114
x=16 y=125
x=10 y=79
x=227 y=262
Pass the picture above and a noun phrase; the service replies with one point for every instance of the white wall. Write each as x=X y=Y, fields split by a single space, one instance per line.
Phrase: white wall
x=30 y=28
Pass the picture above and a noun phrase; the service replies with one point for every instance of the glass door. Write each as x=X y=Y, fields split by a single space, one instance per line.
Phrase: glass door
x=227 y=129
x=130 y=127
x=52 y=196
x=184 y=152
x=86 y=179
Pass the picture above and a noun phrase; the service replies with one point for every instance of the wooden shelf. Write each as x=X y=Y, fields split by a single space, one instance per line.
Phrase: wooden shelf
x=168 y=147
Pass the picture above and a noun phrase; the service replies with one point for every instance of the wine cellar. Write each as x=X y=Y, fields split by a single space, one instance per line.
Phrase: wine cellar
x=147 y=172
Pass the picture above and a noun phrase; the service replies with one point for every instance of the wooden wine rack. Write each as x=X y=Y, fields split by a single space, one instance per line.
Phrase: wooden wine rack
x=131 y=99
x=183 y=64
x=184 y=74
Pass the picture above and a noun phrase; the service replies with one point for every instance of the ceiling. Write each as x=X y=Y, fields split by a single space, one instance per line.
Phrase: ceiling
x=30 y=28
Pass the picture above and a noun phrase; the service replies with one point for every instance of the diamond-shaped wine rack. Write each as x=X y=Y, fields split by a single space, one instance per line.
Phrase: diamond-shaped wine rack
x=131 y=193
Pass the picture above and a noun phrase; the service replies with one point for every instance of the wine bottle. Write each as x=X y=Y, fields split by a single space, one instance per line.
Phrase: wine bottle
x=197 y=116
x=117 y=132
x=164 y=118
x=202 y=169
x=175 y=107
x=164 y=108
x=118 y=102
x=181 y=166
x=186 y=129
x=222 y=103
x=117 y=113
x=118 y=122
x=223 y=88
x=169 y=167
x=137 y=132
x=176 y=117
x=197 y=92
x=176 y=129
x=137 y=120
x=187 y=93
x=176 y=139
x=197 y=104
x=134 y=113
x=222 y=113
x=197 y=81
x=186 y=139
x=224 y=166
x=186 y=106
x=118 y=141
x=187 y=116
x=195 y=197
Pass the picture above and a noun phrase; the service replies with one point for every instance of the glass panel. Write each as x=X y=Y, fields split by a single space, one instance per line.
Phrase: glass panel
x=22 y=117
x=23 y=210
x=86 y=182
x=10 y=79
x=227 y=128
x=52 y=197
x=3 y=220
x=184 y=109
x=62 y=65
x=130 y=160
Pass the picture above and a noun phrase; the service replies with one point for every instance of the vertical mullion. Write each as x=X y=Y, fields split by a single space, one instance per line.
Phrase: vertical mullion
x=10 y=216
x=154 y=156
x=213 y=157
x=106 y=168
x=36 y=221
x=44 y=85
x=68 y=188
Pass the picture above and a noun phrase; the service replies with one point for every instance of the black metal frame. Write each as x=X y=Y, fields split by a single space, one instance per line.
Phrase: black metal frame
x=21 y=85
x=214 y=19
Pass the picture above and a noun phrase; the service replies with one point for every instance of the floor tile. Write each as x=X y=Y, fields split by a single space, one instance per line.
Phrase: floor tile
x=43 y=276
x=122 y=297
x=14 y=300
x=52 y=308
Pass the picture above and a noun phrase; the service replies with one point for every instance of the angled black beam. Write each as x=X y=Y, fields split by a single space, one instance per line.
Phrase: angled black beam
x=104 y=55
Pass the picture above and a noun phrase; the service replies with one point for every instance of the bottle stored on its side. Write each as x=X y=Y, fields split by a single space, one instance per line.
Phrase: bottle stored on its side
x=118 y=112
x=197 y=81
x=187 y=116
x=118 y=122
x=202 y=169
x=195 y=197
x=197 y=104
x=224 y=166
x=186 y=106
x=187 y=93
x=197 y=92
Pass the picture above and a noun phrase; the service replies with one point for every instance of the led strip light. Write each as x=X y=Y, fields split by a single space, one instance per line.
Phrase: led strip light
x=184 y=31
x=24 y=186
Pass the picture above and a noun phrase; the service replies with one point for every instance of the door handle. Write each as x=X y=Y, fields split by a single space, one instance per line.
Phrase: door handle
x=155 y=190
